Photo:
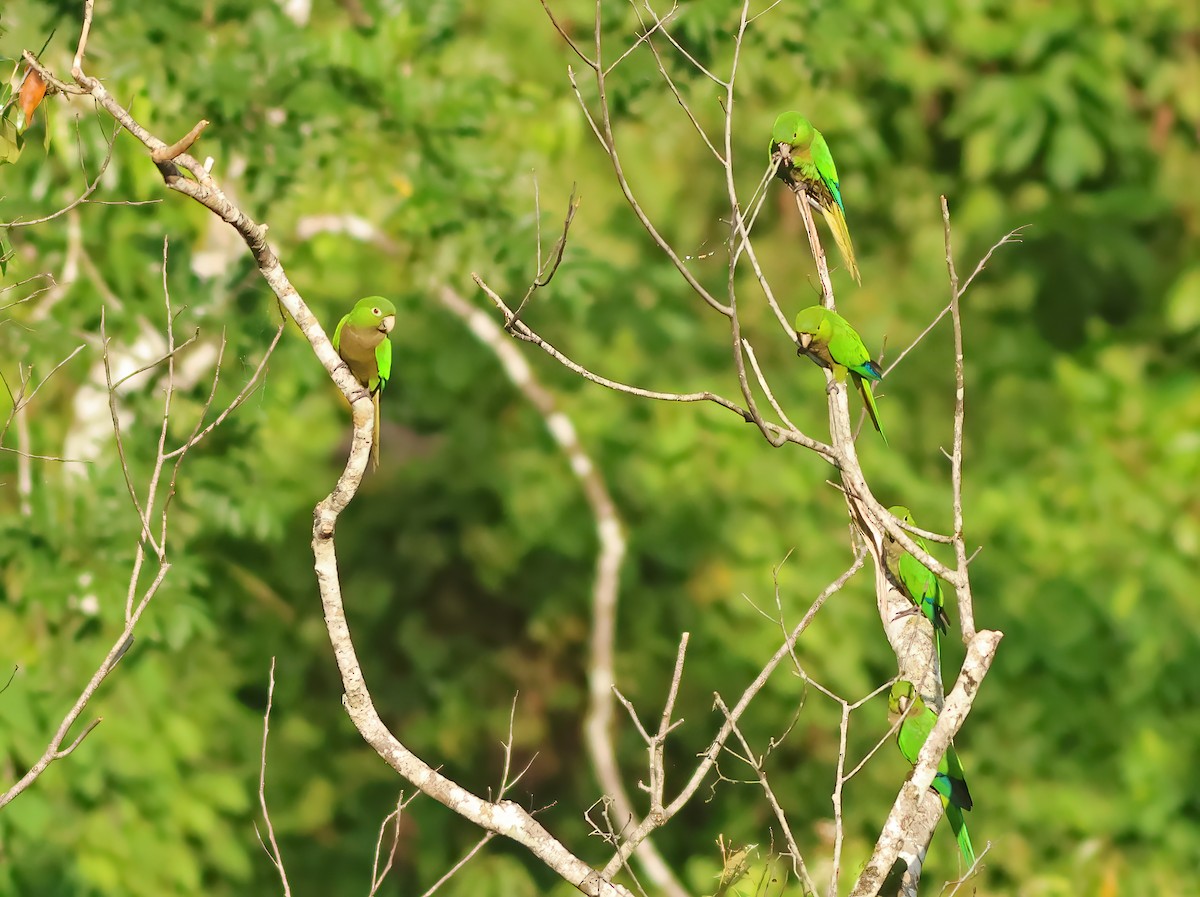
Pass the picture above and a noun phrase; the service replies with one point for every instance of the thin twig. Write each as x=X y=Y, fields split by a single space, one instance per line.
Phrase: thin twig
x=251 y=385
x=459 y=865
x=1013 y=236
x=273 y=852
x=524 y=332
x=709 y=757
x=839 y=832
x=798 y=864
x=665 y=727
x=966 y=611
x=377 y=874
x=762 y=382
x=83 y=197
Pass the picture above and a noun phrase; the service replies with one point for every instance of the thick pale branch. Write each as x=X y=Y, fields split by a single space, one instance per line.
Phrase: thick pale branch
x=503 y=817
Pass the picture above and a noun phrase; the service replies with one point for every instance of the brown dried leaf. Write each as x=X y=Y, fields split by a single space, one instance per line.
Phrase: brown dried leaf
x=33 y=88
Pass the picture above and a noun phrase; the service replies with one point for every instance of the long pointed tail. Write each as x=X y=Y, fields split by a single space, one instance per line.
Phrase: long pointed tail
x=375 y=436
x=958 y=825
x=868 y=398
x=841 y=235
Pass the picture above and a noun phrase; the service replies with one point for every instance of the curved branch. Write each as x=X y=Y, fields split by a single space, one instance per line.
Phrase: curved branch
x=503 y=817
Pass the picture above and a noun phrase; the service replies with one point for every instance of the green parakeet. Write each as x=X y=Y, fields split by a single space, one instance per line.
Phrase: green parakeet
x=950 y=782
x=916 y=581
x=829 y=340
x=361 y=338
x=804 y=158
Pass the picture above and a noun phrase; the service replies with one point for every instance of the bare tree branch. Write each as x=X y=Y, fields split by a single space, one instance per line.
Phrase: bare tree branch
x=377 y=874
x=756 y=763
x=709 y=757
x=966 y=610
x=522 y=331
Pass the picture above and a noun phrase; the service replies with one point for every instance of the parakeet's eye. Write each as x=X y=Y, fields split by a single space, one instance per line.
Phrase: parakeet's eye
x=376 y=312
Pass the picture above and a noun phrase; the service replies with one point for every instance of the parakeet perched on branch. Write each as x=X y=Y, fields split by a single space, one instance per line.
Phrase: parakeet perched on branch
x=950 y=782
x=916 y=581
x=361 y=338
x=804 y=159
x=829 y=340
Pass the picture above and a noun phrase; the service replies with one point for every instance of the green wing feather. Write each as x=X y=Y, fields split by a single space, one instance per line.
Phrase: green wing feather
x=337 y=333
x=383 y=358
x=848 y=349
x=826 y=170
x=924 y=588
x=835 y=215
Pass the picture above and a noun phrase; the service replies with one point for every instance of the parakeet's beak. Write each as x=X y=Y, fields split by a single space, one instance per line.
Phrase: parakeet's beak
x=805 y=340
x=386 y=325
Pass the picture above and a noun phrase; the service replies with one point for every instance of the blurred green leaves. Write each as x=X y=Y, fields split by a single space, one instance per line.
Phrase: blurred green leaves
x=468 y=562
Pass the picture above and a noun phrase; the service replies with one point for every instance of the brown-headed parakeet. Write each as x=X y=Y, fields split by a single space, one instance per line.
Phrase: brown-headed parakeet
x=829 y=340
x=804 y=159
x=361 y=338
x=950 y=783
x=914 y=579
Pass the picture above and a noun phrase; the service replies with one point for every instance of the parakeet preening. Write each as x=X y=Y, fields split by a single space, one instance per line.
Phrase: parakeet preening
x=916 y=581
x=829 y=340
x=950 y=782
x=361 y=338
x=804 y=158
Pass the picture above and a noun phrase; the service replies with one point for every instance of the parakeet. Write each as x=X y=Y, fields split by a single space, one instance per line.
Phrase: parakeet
x=361 y=338
x=916 y=580
x=950 y=782
x=804 y=158
x=829 y=340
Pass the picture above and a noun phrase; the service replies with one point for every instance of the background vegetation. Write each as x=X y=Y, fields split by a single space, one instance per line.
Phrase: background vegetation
x=468 y=558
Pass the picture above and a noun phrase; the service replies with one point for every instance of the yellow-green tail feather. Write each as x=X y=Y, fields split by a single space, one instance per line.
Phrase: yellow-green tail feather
x=868 y=398
x=841 y=235
x=958 y=825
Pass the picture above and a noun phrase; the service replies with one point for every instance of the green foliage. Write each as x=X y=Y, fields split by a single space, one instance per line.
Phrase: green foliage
x=468 y=560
